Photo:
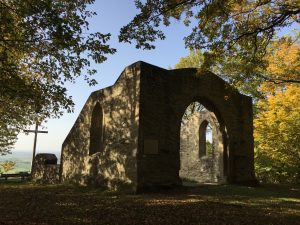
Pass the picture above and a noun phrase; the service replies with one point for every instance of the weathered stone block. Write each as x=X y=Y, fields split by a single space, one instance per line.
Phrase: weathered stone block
x=45 y=169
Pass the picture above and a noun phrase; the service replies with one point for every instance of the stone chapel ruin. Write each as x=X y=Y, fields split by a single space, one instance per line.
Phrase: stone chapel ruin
x=136 y=134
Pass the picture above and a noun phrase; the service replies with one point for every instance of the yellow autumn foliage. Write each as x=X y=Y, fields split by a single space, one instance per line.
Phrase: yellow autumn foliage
x=7 y=165
x=283 y=59
x=277 y=136
x=277 y=123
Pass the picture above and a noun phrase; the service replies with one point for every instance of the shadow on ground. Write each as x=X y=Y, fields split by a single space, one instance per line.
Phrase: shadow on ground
x=26 y=203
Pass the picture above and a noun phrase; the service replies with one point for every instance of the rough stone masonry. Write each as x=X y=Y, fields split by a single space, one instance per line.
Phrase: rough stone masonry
x=128 y=135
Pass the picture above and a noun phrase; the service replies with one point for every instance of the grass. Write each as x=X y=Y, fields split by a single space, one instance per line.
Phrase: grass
x=28 y=203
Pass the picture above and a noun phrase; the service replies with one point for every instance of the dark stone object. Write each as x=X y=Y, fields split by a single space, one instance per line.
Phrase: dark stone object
x=45 y=169
x=46 y=158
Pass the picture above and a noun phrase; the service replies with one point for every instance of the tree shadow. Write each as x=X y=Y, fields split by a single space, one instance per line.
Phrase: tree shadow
x=113 y=164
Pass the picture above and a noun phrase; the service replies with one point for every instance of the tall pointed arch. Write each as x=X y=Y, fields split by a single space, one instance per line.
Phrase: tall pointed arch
x=96 y=130
x=202 y=147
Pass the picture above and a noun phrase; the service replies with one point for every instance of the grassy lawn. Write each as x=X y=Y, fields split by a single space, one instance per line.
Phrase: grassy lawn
x=26 y=203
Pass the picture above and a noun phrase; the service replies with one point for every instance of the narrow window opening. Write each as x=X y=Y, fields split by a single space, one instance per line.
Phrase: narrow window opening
x=96 y=130
x=205 y=139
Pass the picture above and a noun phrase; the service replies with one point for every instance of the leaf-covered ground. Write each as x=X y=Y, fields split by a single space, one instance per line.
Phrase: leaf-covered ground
x=25 y=203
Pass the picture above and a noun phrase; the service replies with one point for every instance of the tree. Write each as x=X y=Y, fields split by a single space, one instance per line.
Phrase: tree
x=209 y=148
x=195 y=59
x=277 y=122
x=283 y=60
x=277 y=136
x=232 y=32
x=43 y=44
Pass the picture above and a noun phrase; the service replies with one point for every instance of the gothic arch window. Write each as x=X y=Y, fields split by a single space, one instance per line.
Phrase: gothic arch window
x=96 y=130
x=205 y=139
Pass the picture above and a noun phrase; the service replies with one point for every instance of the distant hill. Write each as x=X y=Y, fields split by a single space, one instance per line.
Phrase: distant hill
x=22 y=160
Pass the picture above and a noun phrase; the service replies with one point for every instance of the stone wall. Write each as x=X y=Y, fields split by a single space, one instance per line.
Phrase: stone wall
x=165 y=95
x=114 y=164
x=206 y=168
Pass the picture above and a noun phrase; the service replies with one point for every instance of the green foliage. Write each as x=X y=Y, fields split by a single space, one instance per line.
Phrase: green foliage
x=8 y=137
x=233 y=33
x=195 y=59
x=43 y=45
x=209 y=148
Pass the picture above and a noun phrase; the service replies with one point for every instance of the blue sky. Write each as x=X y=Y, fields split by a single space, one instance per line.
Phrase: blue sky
x=112 y=15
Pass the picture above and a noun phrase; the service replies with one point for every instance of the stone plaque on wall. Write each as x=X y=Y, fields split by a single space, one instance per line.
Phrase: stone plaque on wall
x=151 y=146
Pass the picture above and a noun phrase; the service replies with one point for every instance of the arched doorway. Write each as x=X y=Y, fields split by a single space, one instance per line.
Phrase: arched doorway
x=96 y=130
x=202 y=146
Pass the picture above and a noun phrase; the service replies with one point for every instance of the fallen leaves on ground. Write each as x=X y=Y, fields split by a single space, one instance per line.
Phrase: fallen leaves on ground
x=30 y=204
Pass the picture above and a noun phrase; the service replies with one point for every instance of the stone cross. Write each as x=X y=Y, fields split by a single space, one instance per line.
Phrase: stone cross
x=35 y=131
